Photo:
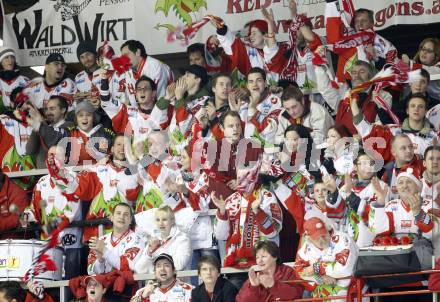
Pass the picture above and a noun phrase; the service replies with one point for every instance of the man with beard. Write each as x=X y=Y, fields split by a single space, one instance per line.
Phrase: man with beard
x=88 y=80
x=166 y=287
x=54 y=82
x=54 y=112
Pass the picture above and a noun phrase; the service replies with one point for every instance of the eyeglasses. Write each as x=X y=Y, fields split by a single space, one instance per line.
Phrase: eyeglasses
x=428 y=50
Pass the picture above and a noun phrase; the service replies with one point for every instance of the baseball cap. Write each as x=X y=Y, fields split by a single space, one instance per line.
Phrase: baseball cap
x=55 y=57
x=315 y=228
x=164 y=256
x=86 y=46
x=199 y=72
x=105 y=282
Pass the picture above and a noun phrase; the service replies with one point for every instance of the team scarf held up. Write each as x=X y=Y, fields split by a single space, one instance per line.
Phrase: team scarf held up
x=185 y=34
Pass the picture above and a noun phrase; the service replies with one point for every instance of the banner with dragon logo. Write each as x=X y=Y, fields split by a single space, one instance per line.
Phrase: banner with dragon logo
x=168 y=26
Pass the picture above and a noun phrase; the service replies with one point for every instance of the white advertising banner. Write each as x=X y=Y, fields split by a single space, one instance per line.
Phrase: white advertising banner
x=59 y=25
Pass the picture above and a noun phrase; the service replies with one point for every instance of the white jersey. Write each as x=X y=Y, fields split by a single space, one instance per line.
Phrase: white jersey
x=177 y=245
x=129 y=120
x=87 y=82
x=6 y=88
x=39 y=93
x=397 y=218
x=159 y=72
x=178 y=291
x=120 y=253
x=336 y=261
x=57 y=206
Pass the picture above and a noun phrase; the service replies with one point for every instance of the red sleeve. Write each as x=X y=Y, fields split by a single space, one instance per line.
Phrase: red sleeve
x=36 y=199
x=239 y=57
x=251 y=293
x=13 y=194
x=295 y=207
x=434 y=279
x=88 y=186
x=120 y=121
x=286 y=291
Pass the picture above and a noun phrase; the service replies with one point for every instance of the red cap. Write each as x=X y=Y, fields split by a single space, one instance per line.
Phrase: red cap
x=260 y=24
x=105 y=282
x=315 y=228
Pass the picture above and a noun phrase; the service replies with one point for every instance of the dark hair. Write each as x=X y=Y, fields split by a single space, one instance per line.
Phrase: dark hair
x=361 y=152
x=220 y=75
x=292 y=93
x=425 y=74
x=12 y=290
x=209 y=259
x=124 y=204
x=196 y=47
x=149 y=80
x=370 y=13
x=417 y=96
x=429 y=149
x=226 y=114
x=284 y=83
x=256 y=70
x=270 y=247
x=303 y=132
x=62 y=102
x=14 y=93
x=341 y=129
x=134 y=45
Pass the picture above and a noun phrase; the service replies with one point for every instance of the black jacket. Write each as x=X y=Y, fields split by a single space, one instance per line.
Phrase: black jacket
x=224 y=291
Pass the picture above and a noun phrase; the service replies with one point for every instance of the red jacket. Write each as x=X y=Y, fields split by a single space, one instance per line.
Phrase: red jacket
x=10 y=194
x=434 y=279
x=31 y=298
x=280 y=290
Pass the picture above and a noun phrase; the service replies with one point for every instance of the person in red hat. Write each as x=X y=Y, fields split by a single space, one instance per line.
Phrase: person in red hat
x=324 y=257
x=90 y=288
x=406 y=215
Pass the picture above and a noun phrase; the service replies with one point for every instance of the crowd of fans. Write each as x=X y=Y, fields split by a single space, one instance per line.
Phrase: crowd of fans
x=259 y=131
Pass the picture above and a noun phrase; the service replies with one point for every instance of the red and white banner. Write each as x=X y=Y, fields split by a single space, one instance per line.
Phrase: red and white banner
x=59 y=25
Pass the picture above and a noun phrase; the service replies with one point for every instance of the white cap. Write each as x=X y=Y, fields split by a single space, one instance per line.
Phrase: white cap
x=409 y=173
x=6 y=51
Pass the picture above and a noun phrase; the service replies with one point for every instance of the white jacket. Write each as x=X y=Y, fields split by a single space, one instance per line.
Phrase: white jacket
x=177 y=245
x=318 y=119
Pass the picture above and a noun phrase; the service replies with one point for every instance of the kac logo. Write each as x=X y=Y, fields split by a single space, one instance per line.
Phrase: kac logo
x=70 y=8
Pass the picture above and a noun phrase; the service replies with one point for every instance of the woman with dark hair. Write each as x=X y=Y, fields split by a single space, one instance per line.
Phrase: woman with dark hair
x=338 y=150
x=10 y=77
x=214 y=287
x=266 y=279
x=428 y=58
